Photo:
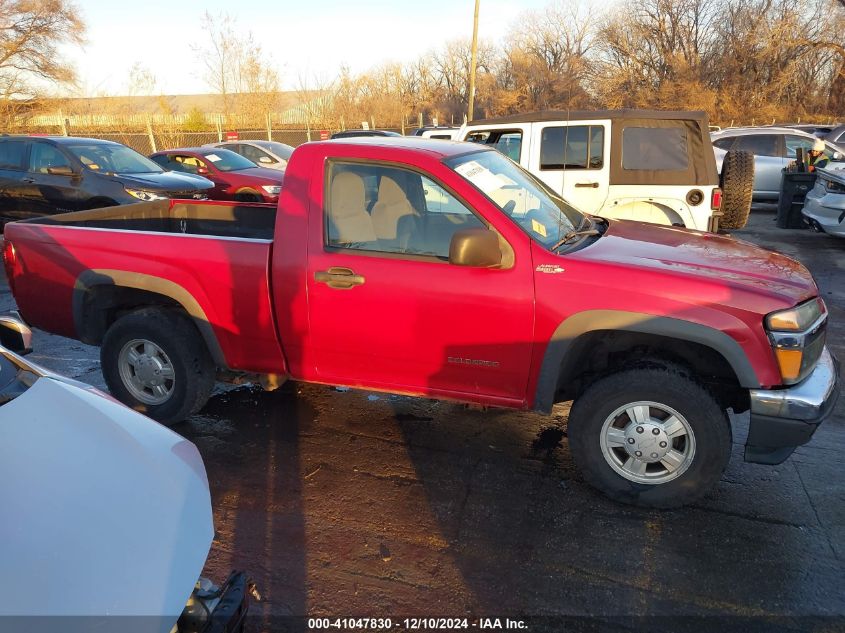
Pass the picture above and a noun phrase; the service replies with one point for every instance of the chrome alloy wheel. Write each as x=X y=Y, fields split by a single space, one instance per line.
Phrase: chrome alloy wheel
x=648 y=442
x=146 y=371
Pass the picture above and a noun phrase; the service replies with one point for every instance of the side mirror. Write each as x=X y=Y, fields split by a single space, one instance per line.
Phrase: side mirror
x=15 y=335
x=265 y=160
x=475 y=247
x=837 y=156
x=60 y=171
x=202 y=170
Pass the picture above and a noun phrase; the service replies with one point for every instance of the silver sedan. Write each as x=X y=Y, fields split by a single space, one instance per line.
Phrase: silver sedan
x=773 y=148
x=824 y=207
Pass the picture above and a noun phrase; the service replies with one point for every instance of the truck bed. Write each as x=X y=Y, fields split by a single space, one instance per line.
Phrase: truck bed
x=209 y=218
x=210 y=257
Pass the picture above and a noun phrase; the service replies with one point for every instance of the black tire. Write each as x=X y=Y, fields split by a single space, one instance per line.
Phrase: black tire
x=668 y=385
x=175 y=334
x=737 y=184
x=248 y=195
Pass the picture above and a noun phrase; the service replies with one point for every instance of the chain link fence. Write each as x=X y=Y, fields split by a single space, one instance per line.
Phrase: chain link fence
x=148 y=142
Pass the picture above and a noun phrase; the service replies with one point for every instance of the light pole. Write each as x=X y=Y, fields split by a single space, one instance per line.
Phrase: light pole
x=473 y=62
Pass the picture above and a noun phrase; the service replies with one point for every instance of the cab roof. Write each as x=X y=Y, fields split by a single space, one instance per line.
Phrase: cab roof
x=439 y=147
x=589 y=115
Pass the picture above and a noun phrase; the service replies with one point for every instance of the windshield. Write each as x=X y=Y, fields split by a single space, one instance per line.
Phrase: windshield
x=226 y=160
x=116 y=159
x=279 y=149
x=541 y=213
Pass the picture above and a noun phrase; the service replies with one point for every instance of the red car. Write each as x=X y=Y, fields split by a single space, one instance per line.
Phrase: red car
x=445 y=270
x=234 y=177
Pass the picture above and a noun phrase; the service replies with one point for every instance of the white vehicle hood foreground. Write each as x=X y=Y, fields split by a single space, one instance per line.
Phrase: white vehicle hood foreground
x=106 y=515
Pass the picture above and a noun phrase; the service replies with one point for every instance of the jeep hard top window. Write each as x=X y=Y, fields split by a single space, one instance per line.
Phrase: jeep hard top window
x=655 y=149
x=115 y=159
x=572 y=147
x=541 y=213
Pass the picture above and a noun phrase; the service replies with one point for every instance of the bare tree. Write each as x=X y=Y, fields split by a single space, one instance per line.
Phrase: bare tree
x=31 y=32
x=234 y=64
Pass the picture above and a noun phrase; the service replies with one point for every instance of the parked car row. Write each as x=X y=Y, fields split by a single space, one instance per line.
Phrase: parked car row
x=56 y=174
x=652 y=166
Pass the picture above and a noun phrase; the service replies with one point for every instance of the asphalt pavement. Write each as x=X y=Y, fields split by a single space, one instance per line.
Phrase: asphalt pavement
x=343 y=503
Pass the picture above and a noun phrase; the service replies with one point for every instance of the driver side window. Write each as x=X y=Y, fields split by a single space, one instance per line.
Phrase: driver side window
x=42 y=157
x=392 y=210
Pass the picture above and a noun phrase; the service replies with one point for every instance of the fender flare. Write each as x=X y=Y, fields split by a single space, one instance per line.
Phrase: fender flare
x=91 y=278
x=593 y=320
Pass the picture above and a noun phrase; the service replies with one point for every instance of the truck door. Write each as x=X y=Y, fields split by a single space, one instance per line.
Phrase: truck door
x=388 y=310
x=573 y=161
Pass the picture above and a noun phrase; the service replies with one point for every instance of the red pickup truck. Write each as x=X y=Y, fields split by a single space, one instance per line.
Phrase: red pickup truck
x=444 y=270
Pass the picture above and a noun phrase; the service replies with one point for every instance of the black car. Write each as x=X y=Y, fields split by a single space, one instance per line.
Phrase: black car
x=55 y=174
x=355 y=133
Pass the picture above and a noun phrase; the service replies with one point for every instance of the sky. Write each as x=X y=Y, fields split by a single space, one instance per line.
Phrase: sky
x=306 y=39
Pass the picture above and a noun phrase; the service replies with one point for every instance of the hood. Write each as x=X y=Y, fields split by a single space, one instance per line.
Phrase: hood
x=704 y=256
x=168 y=181
x=272 y=176
x=106 y=512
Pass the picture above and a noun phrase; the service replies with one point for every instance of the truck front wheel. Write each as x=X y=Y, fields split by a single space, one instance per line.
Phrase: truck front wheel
x=156 y=362
x=650 y=436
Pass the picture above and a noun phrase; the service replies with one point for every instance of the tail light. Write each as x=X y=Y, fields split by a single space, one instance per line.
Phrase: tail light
x=10 y=262
x=716 y=199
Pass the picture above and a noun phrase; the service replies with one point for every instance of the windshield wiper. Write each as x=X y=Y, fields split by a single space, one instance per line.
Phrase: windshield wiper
x=572 y=235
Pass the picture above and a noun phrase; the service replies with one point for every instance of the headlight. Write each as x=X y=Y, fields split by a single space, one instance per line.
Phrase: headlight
x=798 y=318
x=146 y=196
x=272 y=190
x=797 y=336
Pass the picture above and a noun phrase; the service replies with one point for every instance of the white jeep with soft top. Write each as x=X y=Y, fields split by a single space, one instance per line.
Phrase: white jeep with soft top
x=647 y=165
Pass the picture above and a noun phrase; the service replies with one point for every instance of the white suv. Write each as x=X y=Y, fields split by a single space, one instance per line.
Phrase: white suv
x=642 y=165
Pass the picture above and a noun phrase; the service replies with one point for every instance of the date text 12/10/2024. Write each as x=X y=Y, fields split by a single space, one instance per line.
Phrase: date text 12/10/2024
x=414 y=624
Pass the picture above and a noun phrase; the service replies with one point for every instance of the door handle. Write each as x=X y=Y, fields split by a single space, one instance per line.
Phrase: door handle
x=338 y=278
x=28 y=181
x=592 y=185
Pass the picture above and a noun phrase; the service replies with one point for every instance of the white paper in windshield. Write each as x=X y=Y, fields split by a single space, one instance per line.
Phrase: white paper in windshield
x=481 y=177
x=212 y=157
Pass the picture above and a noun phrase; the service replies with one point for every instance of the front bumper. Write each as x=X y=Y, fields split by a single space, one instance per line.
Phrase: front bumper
x=783 y=419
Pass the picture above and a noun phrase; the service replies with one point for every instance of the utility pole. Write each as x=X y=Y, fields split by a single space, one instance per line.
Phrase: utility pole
x=473 y=62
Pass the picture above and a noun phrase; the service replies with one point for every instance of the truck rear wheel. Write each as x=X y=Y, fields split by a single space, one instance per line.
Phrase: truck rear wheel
x=155 y=361
x=650 y=436
x=737 y=184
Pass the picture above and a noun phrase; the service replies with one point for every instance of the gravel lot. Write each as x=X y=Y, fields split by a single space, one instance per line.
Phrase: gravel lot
x=343 y=503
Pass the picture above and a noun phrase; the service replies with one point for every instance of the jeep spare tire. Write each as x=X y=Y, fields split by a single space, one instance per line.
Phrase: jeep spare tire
x=737 y=183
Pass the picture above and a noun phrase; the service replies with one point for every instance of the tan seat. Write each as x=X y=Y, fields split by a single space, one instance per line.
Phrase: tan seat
x=394 y=219
x=350 y=221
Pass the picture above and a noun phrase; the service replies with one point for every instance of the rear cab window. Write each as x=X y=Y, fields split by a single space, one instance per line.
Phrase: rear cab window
x=655 y=149
x=572 y=147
